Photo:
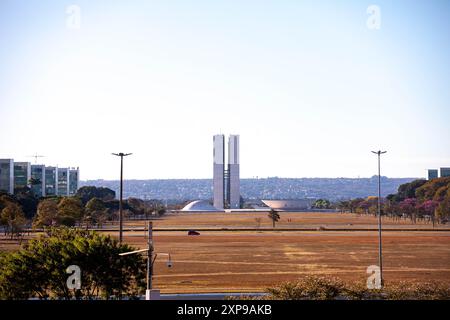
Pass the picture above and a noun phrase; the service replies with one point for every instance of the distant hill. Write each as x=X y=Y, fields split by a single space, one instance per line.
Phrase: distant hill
x=177 y=190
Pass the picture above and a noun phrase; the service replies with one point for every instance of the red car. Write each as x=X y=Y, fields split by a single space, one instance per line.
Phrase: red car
x=193 y=233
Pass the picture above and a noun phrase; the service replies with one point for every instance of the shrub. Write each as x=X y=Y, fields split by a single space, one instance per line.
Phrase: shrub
x=329 y=288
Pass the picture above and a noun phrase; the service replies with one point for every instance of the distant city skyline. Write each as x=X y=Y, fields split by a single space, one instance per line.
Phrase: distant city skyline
x=310 y=87
x=280 y=188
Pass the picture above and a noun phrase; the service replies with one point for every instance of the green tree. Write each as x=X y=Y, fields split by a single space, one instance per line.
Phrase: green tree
x=160 y=211
x=443 y=209
x=95 y=212
x=6 y=199
x=27 y=200
x=321 y=204
x=274 y=216
x=355 y=204
x=13 y=219
x=70 y=211
x=88 y=192
x=39 y=268
x=343 y=206
x=429 y=190
x=47 y=213
x=137 y=206
x=408 y=190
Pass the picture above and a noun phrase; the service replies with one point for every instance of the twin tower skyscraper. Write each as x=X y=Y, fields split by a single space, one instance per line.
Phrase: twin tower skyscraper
x=226 y=183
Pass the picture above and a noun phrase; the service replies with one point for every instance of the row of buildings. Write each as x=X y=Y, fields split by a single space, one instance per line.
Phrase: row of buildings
x=43 y=180
x=433 y=173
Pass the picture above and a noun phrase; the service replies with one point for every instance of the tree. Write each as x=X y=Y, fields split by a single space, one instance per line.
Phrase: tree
x=13 y=219
x=409 y=206
x=321 y=204
x=343 y=206
x=27 y=200
x=441 y=193
x=88 y=192
x=354 y=204
x=6 y=199
x=47 y=213
x=156 y=207
x=429 y=190
x=137 y=206
x=70 y=211
x=372 y=205
x=363 y=207
x=160 y=211
x=429 y=208
x=274 y=216
x=408 y=190
x=443 y=211
x=391 y=208
x=95 y=212
x=39 y=268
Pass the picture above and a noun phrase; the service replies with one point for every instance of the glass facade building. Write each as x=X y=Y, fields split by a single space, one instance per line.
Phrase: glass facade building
x=51 y=177
x=74 y=179
x=63 y=182
x=7 y=175
x=445 y=172
x=432 y=174
x=22 y=174
x=38 y=180
x=43 y=181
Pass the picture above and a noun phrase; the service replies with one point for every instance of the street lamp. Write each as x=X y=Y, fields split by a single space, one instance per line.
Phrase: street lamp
x=150 y=260
x=121 y=155
x=380 y=257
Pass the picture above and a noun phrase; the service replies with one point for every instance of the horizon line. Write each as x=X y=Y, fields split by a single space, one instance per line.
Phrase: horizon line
x=254 y=178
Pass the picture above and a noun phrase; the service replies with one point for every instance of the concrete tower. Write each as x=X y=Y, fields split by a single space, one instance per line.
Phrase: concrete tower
x=218 y=174
x=233 y=193
x=226 y=181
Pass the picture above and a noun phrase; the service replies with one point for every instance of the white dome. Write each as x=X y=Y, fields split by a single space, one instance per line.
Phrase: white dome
x=199 y=205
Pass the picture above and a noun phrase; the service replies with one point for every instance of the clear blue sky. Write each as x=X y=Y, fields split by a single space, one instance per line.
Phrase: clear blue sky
x=308 y=86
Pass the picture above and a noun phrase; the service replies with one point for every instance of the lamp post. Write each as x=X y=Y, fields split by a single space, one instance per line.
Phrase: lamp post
x=121 y=155
x=380 y=255
x=150 y=262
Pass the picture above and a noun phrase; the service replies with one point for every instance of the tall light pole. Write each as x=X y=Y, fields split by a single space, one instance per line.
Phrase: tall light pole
x=380 y=255
x=151 y=257
x=121 y=155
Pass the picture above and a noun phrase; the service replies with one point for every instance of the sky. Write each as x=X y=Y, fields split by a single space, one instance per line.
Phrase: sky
x=311 y=87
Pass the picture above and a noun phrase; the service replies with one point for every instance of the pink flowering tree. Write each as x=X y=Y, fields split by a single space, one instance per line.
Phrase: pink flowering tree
x=409 y=206
x=428 y=208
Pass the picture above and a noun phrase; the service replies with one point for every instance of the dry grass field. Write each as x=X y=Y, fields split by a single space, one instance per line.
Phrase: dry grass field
x=250 y=261
x=288 y=220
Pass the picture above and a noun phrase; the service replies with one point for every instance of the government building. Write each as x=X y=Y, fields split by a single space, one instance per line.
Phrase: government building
x=42 y=180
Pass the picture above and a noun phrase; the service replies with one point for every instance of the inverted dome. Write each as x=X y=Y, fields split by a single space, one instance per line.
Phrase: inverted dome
x=299 y=204
x=199 y=205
